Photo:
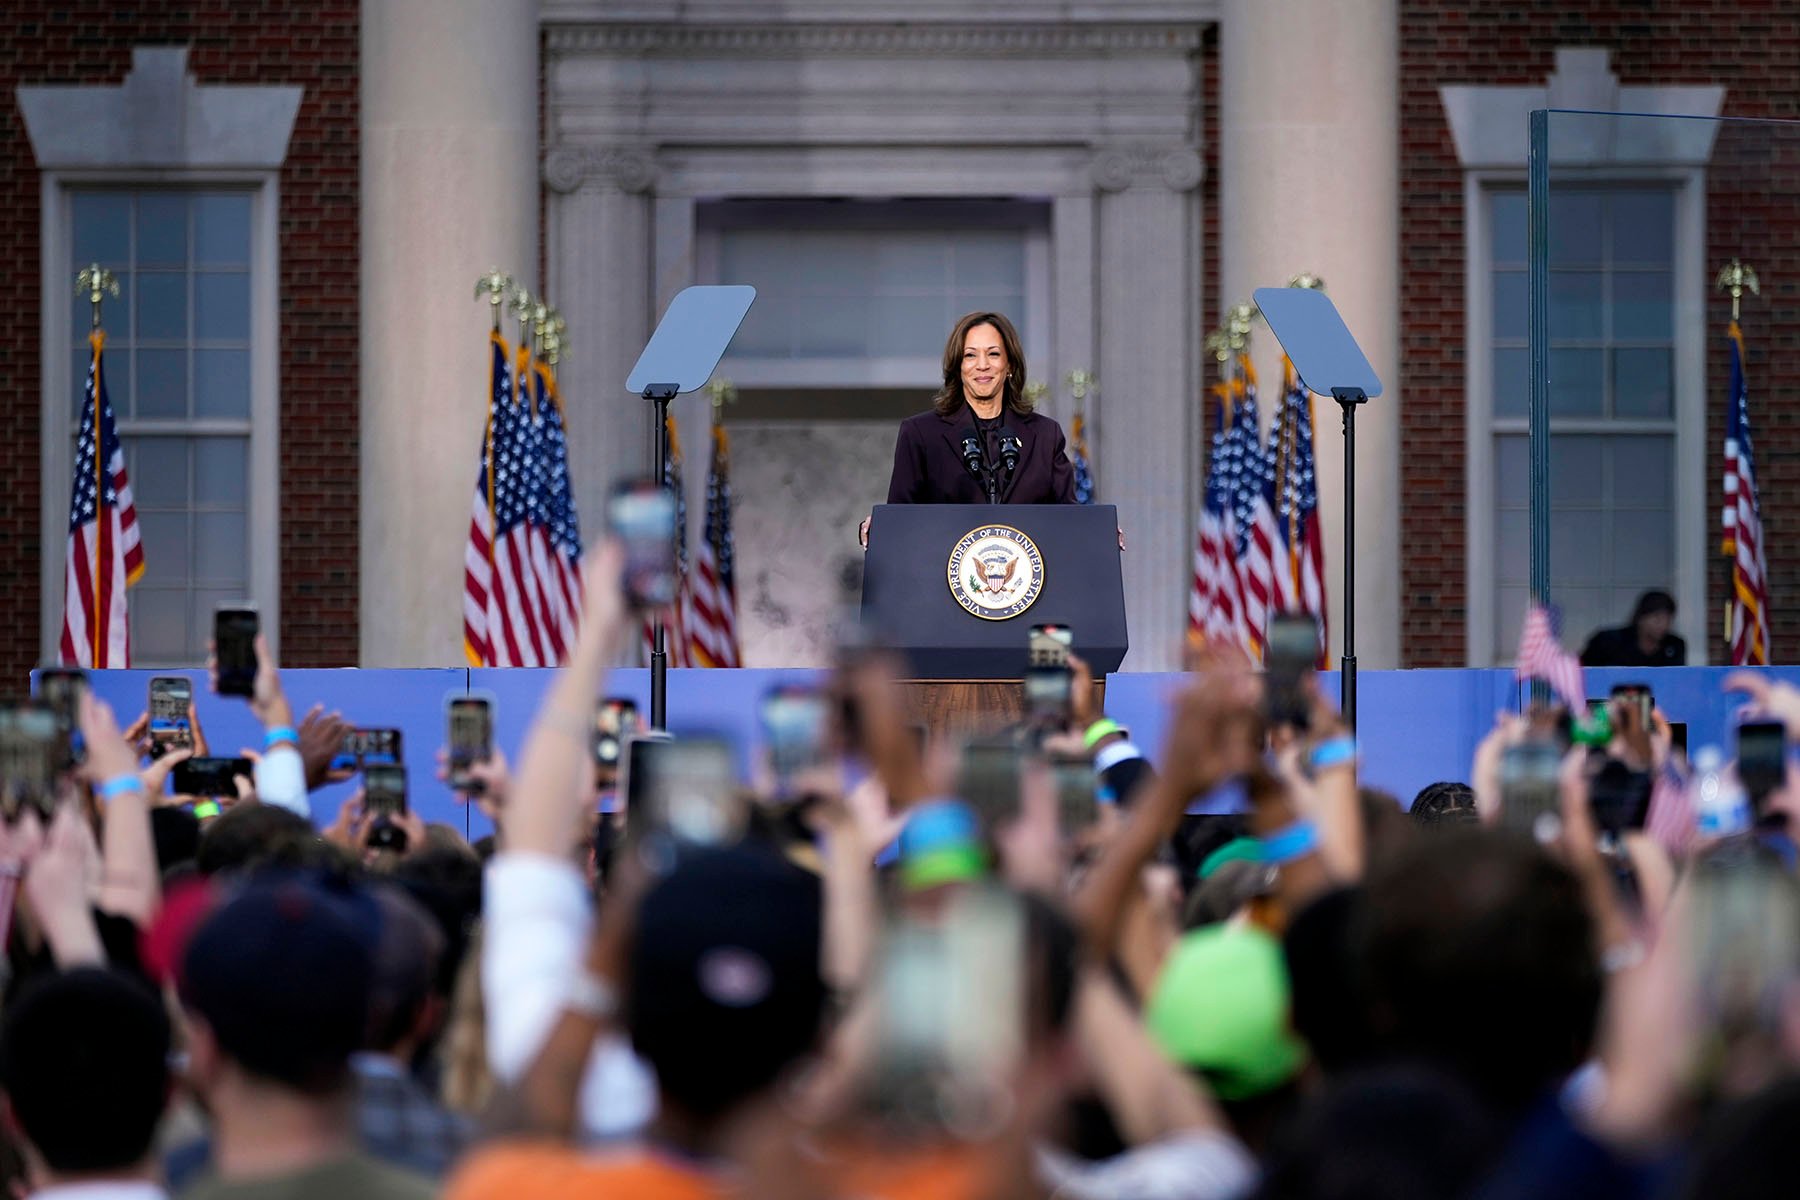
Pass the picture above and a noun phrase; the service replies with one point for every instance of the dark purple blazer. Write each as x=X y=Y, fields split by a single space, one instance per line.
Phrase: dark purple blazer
x=928 y=464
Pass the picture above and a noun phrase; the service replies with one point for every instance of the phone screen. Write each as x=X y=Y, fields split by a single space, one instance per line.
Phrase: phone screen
x=1076 y=803
x=60 y=689
x=384 y=790
x=471 y=735
x=210 y=776
x=1048 y=694
x=614 y=720
x=29 y=738
x=1761 y=757
x=1050 y=645
x=1531 y=789
x=988 y=779
x=795 y=724
x=641 y=514
x=234 y=649
x=686 y=788
x=1293 y=649
x=170 y=698
x=1639 y=694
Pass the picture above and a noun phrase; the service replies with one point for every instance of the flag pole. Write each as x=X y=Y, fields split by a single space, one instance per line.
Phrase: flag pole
x=496 y=285
x=1735 y=278
x=98 y=282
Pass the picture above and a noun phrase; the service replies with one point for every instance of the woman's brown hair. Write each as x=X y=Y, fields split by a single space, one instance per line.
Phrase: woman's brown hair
x=950 y=396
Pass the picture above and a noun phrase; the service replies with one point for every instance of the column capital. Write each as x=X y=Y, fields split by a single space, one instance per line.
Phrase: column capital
x=568 y=167
x=1176 y=166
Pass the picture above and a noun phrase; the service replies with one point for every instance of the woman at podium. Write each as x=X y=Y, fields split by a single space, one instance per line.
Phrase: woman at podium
x=980 y=443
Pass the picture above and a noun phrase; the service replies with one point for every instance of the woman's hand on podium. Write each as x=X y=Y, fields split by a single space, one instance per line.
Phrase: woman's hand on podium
x=862 y=531
x=1121 y=537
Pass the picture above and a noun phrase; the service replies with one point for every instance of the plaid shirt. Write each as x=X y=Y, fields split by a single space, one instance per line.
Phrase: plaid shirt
x=401 y=1123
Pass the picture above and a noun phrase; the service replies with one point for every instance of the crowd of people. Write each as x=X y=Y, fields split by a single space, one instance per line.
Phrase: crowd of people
x=883 y=984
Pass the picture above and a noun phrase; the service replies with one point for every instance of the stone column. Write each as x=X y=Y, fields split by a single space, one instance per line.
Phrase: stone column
x=1145 y=418
x=1309 y=181
x=449 y=190
x=600 y=262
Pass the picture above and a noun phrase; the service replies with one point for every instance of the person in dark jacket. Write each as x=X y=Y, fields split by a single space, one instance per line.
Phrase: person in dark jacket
x=1646 y=642
x=982 y=403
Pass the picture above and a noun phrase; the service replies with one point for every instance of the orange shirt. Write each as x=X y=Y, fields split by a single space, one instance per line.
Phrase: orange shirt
x=545 y=1171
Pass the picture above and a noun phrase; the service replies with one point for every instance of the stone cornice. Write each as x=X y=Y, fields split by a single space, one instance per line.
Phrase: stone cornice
x=888 y=39
x=627 y=168
x=1118 y=168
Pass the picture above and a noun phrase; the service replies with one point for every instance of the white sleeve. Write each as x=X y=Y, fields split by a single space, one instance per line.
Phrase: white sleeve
x=537 y=917
x=281 y=779
x=1193 y=1165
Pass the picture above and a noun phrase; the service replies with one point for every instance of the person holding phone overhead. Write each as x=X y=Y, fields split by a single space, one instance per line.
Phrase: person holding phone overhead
x=980 y=442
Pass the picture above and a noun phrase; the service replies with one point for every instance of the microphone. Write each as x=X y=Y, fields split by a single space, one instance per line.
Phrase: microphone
x=1010 y=448
x=971 y=451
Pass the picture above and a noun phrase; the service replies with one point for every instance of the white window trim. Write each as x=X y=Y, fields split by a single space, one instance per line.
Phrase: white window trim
x=159 y=128
x=1689 y=585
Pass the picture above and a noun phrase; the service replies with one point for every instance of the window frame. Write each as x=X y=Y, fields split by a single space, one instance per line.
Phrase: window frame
x=1029 y=217
x=1690 y=400
x=263 y=516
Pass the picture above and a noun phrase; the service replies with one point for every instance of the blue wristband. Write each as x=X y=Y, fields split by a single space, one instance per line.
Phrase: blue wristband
x=118 y=785
x=1296 y=841
x=281 y=733
x=1334 y=752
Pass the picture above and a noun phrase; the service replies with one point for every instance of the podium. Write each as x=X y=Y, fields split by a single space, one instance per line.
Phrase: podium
x=955 y=588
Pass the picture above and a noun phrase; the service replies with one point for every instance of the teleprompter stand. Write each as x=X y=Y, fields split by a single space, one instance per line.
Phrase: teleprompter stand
x=680 y=357
x=1330 y=363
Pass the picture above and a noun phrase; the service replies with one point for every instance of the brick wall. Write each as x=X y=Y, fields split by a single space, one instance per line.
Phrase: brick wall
x=230 y=41
x=1752 y=47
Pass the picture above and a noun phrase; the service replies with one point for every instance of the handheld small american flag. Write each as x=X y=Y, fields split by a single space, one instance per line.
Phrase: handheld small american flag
x=1078 y=454
x=105 y=551
x=675 y=640
x=1303 y=540
x=712 y=631
x=1541 y=656
x=1741 y=515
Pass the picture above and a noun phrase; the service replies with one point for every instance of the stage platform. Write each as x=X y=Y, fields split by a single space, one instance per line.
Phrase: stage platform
x=1417 y=726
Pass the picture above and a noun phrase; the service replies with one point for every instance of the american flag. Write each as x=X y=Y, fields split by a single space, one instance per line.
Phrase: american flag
x=1541 y=656
x=521 y=567
x=1670 y=821
x=1253 y=510
x=105 y=554
x=712 y=617
x=675 y=639
x=1078 y=453
x=1742 y=518
x=1297 y=511
x=1215 y=609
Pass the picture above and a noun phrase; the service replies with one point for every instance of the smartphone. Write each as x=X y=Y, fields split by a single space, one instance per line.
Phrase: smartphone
x=988 y=778
x=1077 y=803
x=1678 y=737
x=1531 y=789
x=471 y=737
x=31 y=740
x=1638 y=694
x=211 y=776
x=1761 y=759
x=234 y=650
x=949 y=998
x=796 y=727
x=614 y=720
x=1744 y=933
x=60 y=689
x=685 y=788
x=1050 y=645
x=1288 y=659
x=1619 y=797
x=384 y=798
x=170 y=698
x=1049 y=695
x=362 y=747
x=641 y=513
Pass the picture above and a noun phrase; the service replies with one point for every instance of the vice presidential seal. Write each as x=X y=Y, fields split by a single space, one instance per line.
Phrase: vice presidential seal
x=996 y=572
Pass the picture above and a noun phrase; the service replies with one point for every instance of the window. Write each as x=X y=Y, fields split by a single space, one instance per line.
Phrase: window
x=1613 y=402
x=178 y=372
x=863 y=293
